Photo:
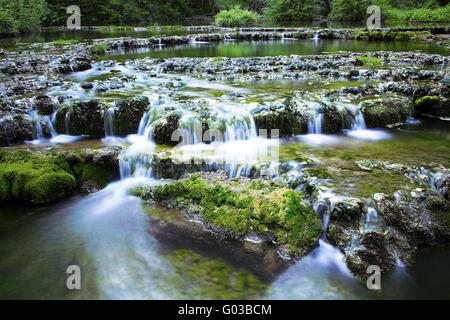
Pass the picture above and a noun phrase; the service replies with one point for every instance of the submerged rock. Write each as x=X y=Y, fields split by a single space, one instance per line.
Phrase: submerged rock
x=236 y=208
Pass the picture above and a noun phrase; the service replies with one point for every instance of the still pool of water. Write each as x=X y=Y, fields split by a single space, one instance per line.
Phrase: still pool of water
x=22 y=41
x=274 y=48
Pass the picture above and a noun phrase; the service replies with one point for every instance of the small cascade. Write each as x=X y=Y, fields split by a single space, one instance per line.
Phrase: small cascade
x=109 y=122
x=359 y=123
x=67 y=122
x=360 y=131
x=315 y=36
x=371 y=219
x=37 y=127
x=191 y=130
x=49 y=120
x=315 y=124
x=239 y=129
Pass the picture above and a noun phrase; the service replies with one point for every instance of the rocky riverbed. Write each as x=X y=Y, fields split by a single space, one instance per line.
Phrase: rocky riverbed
x=261 y=157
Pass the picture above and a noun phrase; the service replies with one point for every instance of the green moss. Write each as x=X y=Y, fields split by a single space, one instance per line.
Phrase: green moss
x=63 y=42
x=245 y=207
x=320 y=172
x=199 y=277
x=427 y=102
x=92 y=174
x=98 y=49
x=369 y=61
x=33 y=177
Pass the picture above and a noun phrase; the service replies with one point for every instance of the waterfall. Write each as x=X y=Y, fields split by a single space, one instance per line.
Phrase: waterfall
x=49 y=122
x=109 y=122
x=37 y=130
x=359 y=123
x=360 y=131
x=371 y=219
x=316 y=36
x=67 y=121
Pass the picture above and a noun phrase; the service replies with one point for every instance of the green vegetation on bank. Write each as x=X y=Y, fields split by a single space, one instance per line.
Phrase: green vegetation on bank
x=25 y=16
x=243 y=206
x=236 y=17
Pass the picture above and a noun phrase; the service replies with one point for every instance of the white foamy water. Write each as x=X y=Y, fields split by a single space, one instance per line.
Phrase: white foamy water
x=319 y=139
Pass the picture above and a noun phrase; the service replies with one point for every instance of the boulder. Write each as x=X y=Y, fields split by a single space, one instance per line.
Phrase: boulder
x=432 y=105
x=45 y=105
x=81 y=118
x=284 y=116
x=128 y=114
x=383 y=111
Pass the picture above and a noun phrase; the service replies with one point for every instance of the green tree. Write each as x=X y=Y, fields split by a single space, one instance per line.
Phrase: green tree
x=21 y=15
x=349 y=10
x=290 y=10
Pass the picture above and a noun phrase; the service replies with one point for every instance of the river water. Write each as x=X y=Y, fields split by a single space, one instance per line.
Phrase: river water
x=109 y=234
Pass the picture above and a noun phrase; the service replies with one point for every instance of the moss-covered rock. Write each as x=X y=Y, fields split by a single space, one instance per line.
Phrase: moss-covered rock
x=128 y=114
x=285 y=117
x=81 y=118
x=383 y=111
x=347 y=211
x=33 y=177
x=372 y=252
x=15 y=128
x=164 y=127
x=38 y=178
x=432 y=105
x=239 y=207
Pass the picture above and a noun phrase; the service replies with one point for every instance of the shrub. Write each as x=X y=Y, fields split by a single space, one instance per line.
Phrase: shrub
x=236 y=17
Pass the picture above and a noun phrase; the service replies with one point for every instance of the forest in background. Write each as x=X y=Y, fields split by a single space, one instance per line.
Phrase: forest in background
x=28 y=15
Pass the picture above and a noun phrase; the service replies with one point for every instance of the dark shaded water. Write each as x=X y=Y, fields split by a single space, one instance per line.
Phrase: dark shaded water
x=119 y=259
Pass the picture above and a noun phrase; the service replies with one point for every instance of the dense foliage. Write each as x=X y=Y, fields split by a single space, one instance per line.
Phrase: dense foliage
x=349 y=10
x=236 y=17
x=290 y=10
x=21 y=15
x=28 y=15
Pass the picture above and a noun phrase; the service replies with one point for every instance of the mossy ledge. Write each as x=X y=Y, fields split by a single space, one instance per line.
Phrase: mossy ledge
x=241 y=207
x=38 y=178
